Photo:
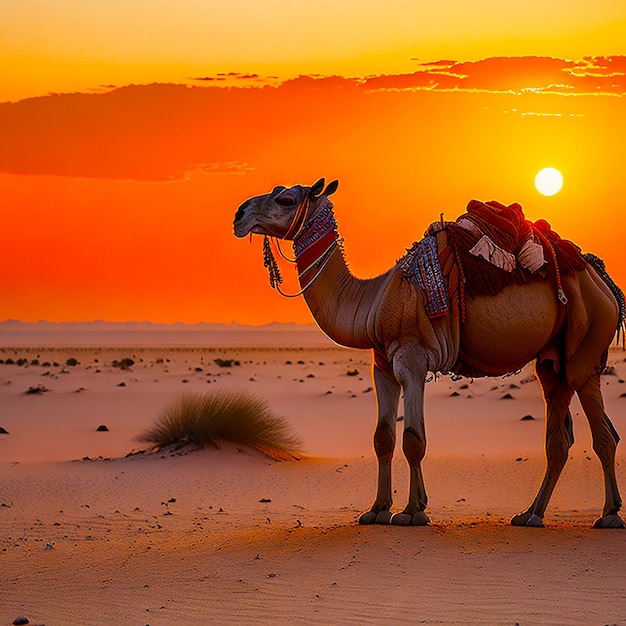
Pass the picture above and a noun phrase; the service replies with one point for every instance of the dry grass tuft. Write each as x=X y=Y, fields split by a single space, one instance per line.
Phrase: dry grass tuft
x=206 y=419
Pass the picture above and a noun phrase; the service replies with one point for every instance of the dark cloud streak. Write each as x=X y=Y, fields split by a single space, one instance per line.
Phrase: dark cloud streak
x=165 y=131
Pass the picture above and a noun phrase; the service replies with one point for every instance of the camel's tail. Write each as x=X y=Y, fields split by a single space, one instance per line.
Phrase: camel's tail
x=598 y=264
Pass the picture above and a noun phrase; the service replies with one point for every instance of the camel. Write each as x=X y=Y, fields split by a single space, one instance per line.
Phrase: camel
x=492 y=336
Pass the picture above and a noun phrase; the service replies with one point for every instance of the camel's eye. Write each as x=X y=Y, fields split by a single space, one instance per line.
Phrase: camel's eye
x=286 y=200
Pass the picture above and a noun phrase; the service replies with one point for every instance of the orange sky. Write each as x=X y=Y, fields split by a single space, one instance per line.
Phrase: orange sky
x=117 y=202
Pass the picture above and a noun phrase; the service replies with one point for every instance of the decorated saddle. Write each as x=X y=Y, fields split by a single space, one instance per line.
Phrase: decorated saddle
x=492 y=246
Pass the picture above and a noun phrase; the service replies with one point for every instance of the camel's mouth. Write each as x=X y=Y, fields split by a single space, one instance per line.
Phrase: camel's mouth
x=244 y=227
x=241 y=230
x=244 y=222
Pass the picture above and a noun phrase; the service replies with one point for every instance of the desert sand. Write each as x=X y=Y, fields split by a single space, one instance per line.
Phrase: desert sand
x=92 y=535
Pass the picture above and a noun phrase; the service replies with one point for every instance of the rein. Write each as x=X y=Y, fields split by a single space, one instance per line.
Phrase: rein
x=313 y=243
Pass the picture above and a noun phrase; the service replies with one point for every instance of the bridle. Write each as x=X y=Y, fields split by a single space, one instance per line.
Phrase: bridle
x=314 y=240
x=299 y=219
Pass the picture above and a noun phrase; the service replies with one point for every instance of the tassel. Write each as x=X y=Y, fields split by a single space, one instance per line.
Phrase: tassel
x=270 y=262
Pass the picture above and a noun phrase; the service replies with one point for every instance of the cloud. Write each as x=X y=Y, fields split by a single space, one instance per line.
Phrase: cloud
x=227 y=167
x=237 y=79
x=166 y=131
x=591 y=75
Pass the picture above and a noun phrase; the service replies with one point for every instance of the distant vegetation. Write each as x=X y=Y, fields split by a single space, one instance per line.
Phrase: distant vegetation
x=226 y=362
x=124 y=364
x=206 y=419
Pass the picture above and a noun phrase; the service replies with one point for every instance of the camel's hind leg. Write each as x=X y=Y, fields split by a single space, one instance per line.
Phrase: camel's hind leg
x=605 y=439
x=557 y=394
x=387 y=399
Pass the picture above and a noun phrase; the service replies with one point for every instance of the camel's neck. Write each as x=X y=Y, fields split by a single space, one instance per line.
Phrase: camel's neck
x=343 y=306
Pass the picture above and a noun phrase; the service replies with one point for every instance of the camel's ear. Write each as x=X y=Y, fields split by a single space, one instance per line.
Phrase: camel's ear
x=332 y=187
x=316 y=188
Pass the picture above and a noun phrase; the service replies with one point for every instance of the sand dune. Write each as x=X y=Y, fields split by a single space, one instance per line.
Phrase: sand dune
x=91 y=536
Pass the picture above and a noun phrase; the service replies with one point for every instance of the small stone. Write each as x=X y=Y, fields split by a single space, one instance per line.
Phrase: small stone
x=507 y=396
x=20 y=619
x=3 y=431
x=527 y=418
x=265 y=500
x=122 y=384
x=103 y=428
x=455 y=394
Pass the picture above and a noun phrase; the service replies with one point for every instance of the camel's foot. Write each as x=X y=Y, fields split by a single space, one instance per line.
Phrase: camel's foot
x=407 y=519
x=374 y=517
x=529 y=519
x=609 y=521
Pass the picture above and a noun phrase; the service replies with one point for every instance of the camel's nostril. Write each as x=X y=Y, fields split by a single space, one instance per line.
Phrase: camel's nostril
x=241 y=210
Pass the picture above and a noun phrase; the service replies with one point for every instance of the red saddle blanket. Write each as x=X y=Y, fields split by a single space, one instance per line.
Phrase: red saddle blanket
x=508 y=228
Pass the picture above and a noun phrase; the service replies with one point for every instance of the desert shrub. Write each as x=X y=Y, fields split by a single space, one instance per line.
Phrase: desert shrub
x=38 y=390
x=226 y=362
x=206 y=419
x=124 y=364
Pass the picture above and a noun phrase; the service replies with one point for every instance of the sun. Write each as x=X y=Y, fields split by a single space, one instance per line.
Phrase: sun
x=549 y=181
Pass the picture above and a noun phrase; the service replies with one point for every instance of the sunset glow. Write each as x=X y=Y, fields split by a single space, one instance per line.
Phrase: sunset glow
x=131 y=134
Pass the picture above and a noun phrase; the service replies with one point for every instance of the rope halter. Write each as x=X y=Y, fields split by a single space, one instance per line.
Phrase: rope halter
x=314 y=239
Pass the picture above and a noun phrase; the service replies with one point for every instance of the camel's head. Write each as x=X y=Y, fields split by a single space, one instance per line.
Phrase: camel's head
x=283 y=212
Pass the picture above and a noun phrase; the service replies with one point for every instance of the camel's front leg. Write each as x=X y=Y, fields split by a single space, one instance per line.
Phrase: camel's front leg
x=411 y=370
x=387 y=398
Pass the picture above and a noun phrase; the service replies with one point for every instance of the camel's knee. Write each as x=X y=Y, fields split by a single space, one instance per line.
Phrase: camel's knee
x=605 y=440
x=413 y=446
x=602 y=429
x=384 y=442
x=557 y=456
